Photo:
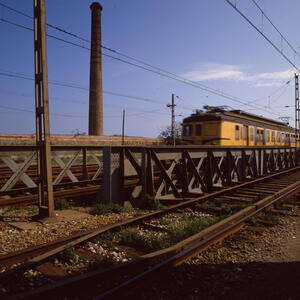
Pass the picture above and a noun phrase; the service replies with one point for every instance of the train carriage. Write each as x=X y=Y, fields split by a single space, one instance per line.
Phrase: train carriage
x=235 y=128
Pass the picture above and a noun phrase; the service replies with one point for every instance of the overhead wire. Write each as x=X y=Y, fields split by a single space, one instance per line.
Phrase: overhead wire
x=79 y=116
x=274 y=92
x=157 y=111
x=262 y=34
x=155 y=70
x=22 y=76
x=49 y=25
x=276 y=28
x=75 y=86
x=31 y=111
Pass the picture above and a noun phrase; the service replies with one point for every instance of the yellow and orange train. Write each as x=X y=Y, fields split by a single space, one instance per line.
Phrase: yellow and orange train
x=236 y=128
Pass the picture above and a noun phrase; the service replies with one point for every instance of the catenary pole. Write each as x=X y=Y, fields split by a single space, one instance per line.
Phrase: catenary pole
x=46 y=202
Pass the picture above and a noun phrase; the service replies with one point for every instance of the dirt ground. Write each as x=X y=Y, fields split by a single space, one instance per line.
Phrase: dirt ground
x=262 y=263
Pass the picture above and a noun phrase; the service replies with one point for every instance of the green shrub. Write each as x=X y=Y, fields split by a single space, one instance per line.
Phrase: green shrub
x=233 y=208
x=164 y=221
x=253 y=222
x=133 y=238
x=188 y=226
x=102 y=209
x=271 y=218
x=61 y=204
x=32 y=210
x=11 y=208
x=150 y=202
x=68 y=254
x=177 y=231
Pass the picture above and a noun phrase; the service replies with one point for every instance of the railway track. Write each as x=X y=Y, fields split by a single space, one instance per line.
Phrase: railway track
x=153 y=240
x=70 y=190
x=21 y=195
x=77 y=171
x=66 y=189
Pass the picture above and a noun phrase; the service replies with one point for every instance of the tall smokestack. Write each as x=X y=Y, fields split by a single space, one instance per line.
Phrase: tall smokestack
x=96 y=102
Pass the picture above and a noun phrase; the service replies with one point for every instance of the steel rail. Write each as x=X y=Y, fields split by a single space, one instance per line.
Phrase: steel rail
x=63 y=185
x=254 y=209
x=66 y=193
x=27 y=253
x=201 y=245
x=77 y=190
x=144 y=217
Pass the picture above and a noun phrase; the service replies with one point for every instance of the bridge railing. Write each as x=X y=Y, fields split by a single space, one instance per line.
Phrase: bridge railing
x=174 y=173
x=129 y=173
x=18 y=165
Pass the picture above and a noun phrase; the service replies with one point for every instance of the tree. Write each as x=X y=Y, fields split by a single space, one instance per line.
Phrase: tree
x=166 y=134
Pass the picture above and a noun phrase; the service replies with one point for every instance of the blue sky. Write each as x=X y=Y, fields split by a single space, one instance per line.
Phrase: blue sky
x=201 y=40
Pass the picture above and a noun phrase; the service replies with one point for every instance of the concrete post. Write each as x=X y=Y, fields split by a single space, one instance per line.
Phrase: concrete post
x=96 y=97
x=111 y=177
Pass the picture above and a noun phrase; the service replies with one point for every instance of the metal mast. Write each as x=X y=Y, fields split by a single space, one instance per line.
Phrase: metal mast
x=173 y=119
x=297 y=109
x=46 y=202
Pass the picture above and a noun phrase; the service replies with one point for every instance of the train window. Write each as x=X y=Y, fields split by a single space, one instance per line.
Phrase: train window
x=273 y=136
x=198 y=129
x=282 y=137
x=278 y=137
x=259 y=135
x=237 y=132
x=252 y=134
x=244 y=133
x=188 y=130
x=268 y=136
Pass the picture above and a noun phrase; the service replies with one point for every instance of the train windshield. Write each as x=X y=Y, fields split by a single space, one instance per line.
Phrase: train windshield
x=188 y=130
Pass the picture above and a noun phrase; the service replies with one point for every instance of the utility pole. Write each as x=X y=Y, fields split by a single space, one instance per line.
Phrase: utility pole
x=123 y=126
x=173 y=119
x=46 y=202
x=297 y=109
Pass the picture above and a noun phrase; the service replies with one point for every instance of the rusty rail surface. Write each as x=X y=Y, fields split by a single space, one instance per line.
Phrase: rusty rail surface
x=200 y=242
x=192 y=244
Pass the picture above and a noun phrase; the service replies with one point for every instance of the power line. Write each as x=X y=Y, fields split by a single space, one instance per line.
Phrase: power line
x=71 y=85
x=281 y=35
x=158 y=71
x=47 y=24
x=259 y=31
x=27 y=77
x=31 y=111
x=15 y=10
x=119 y=53
x=156 y=111
x=273 y=93
x=279 y=96
x=167 y=74
x=28 y=95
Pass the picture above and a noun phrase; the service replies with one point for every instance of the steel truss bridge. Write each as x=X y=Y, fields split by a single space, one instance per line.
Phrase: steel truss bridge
x=128 y=173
